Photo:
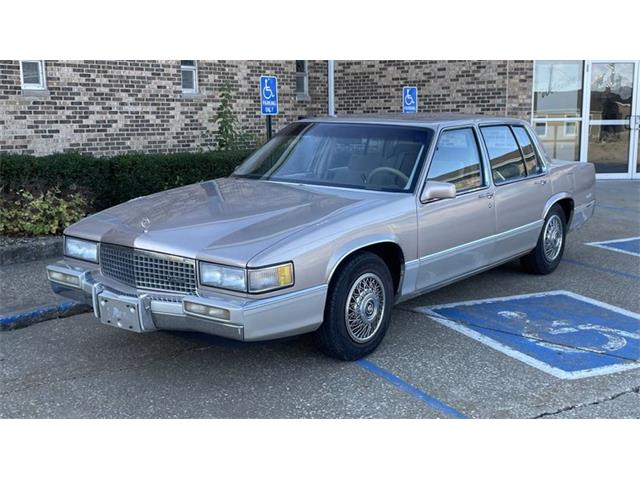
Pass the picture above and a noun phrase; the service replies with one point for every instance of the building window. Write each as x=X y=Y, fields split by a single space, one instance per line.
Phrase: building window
x=33 y=75
x=557 y=106
x=570 y=129
x=302 y=78
x=541 y=129
x=189 y=72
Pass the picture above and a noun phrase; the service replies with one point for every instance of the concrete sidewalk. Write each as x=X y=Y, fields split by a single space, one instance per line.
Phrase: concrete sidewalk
x=26 y=298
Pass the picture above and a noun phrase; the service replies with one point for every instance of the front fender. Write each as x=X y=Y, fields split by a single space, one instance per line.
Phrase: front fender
x=355 y=244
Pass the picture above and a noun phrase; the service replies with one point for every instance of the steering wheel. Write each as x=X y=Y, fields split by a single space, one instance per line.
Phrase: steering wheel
x=395 y=171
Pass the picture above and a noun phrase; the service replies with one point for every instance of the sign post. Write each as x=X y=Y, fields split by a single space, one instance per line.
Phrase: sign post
x=410 y=99
x=268 y=99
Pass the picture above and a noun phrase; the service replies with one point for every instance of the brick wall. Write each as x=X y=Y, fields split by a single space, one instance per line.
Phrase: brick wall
x=465 y=86
x=107 y=107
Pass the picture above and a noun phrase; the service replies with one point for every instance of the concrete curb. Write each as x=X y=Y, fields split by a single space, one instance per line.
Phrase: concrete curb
x=25 y=318
x=30 y=250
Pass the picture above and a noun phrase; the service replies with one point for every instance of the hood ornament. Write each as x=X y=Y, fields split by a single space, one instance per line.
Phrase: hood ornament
x=145 y=224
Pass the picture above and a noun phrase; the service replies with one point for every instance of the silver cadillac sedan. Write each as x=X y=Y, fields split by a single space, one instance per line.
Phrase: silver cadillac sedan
x=326 y=227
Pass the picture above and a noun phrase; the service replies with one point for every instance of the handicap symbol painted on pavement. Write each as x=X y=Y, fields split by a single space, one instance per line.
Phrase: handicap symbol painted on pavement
x=558 y=332
x=630 y=246
x=409 y=99
x=268 y=95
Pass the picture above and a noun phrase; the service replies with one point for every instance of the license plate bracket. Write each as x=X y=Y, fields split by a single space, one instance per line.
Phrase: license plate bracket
x=125 y=313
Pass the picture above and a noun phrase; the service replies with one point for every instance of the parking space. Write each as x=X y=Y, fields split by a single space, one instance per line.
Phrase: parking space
x=502 y=344
x=561 y=333
x=630 y=246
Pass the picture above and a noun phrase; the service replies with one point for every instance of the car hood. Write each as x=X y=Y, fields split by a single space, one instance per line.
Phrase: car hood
x=228 y=220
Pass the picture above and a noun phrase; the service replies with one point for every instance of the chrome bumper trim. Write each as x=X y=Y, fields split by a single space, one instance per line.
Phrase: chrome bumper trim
x=249 y=320
x=581 y=214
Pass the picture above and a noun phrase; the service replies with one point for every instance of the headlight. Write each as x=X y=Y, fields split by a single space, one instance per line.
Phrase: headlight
x=270 y=278
x=219 y=276
x=81 y=249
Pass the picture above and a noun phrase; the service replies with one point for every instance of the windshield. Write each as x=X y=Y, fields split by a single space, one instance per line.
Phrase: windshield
x=372 y=157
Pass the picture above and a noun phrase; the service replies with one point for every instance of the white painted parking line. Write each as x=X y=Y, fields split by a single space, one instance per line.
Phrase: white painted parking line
x=629 y=246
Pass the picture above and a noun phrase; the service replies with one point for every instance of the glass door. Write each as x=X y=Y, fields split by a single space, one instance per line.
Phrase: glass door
x=635 y=128
x=610 y=115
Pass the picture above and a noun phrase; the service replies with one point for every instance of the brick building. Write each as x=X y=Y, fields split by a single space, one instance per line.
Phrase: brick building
x=582 y=110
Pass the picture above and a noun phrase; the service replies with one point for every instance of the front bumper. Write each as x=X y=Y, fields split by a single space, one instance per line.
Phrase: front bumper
x=248 y=320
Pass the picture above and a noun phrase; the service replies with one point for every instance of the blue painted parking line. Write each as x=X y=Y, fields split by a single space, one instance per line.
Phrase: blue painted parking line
x=620 y=209
x=37 y=314
x=559 y=332
x=410 y=389
x=598 y=268
x=629 y=246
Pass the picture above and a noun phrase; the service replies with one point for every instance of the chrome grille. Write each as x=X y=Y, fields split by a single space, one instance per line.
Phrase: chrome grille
x=148 y=270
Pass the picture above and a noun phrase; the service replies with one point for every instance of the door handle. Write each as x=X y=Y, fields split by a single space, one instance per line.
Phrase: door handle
x=540 y=182
x=486 y=195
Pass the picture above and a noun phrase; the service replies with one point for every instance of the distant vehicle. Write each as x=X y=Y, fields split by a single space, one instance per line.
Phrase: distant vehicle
x=326 y=227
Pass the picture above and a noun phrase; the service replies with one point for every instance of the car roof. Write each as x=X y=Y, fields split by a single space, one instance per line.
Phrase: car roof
x=415 y=119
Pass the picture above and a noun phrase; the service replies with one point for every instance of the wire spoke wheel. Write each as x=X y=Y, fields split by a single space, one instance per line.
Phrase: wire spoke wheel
x=364 y=309
x=552 y=239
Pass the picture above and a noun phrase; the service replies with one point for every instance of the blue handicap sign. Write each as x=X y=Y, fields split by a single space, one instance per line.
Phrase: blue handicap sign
x=629 y=246
x=561 y=333
x=409 y=99
x=268 y=95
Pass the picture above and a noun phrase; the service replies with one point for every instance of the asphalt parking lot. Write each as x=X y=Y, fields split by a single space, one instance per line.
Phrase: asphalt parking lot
x=75 y=367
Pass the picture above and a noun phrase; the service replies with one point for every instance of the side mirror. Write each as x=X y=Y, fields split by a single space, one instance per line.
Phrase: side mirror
x=437 y=190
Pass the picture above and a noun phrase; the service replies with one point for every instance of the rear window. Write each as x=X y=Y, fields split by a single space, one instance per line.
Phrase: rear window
x=506 y=160
x=531 y=159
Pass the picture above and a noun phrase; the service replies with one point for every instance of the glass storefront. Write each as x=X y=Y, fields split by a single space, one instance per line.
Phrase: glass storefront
x=560 y=139
x=611 y=86
x=609 y=148
x=587 y=111
x=557 y=106
x=558 y=89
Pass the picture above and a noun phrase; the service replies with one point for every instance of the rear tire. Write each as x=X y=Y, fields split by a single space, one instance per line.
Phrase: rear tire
x=358 y=308
x=546 y=257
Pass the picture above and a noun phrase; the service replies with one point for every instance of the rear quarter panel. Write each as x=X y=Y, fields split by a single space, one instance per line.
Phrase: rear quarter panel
x=574 y=180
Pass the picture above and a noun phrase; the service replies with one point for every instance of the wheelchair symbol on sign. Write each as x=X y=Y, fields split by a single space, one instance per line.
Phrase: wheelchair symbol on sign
x=267 y=92
x=612 y=339
x=408 y=100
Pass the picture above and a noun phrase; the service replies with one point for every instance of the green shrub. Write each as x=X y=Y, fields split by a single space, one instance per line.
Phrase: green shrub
x=29 y=212
x=113 y=180
x=228 y=136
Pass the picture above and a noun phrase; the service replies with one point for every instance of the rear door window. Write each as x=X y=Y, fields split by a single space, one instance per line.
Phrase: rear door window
x=506 y=160
x=531 y=159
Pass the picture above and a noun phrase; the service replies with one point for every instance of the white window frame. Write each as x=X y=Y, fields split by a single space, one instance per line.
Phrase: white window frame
x=304 y=75
x=191 y=68
x=43 y=78
x=566 y=130
x=537 y=124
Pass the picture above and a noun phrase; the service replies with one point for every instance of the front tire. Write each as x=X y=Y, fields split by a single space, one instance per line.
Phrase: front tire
x=358 y=308
x=546 y=257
